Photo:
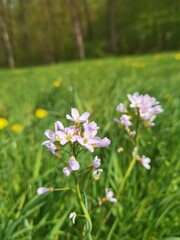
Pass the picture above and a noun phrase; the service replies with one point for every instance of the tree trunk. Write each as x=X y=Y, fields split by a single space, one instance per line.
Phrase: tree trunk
x=77 y=28
x=50 y=26
x=112 y=25
x=88 y=20
x=7 y=44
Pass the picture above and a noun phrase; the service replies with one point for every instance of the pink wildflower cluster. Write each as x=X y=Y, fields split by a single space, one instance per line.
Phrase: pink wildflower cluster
x=146 y=107
x=145 y=110
x=83 y=134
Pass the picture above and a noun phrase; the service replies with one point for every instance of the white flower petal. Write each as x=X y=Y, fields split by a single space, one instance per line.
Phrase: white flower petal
x=113 y=200
x=96 y=162
x=84 y=117
x=73 y=217
x=74 y=165
x=66 y=171
x=69 y=117
x=104 y=142
x=147 y=166
x=59 y=126
x=89 y=147
x=42 y=190
x=74 y=113
x=49 y=134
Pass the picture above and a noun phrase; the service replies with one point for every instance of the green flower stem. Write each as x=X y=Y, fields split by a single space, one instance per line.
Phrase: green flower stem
x=63 y=189
x=131 y=165
x=83 y=206
x=86 y=205
x=128 y=172
x=133 y=161
x=76 y=151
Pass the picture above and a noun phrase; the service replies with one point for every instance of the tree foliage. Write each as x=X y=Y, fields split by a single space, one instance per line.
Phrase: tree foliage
x=47 y=31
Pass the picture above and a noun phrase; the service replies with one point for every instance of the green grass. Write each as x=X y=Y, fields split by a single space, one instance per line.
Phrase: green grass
x=150 y=204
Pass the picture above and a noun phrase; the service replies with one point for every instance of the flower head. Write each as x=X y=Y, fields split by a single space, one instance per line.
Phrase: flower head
x=73 y=166
x=144 y=161
x=124 y=120
x=73 y=217
x=50 y=134
x=103 y=142
x=97 y=174
x=67 y=171
x=41 y=113
x=52 y=148
x=42 y=190
x=68 y=135
x=3 y=123
x=108 y=197
x=59 y=126
x=121 y=108
x=56 y=136
x=139 y=64
x=88 y=141
x=120 y=149
x=135 y=152
x=56 y=84
x=135 y=99
x=177 y=56
x=145 y=107
x=92 y=127
x=132 y=134
x=17 y=128
x=96 y=162
x=76 y=117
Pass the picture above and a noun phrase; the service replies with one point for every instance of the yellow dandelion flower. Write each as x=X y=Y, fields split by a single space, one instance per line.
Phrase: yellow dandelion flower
x=157 y=56
x=57 y=84
x=99 y=63
x=41 y=113
x=177 y=56
x=139 y=64
x=17 y=71
x=17 y=127
x=166 y=96
x=3 y=123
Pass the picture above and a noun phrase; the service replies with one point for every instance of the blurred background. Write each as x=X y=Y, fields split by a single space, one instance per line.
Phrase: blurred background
x=46 y=31
x=128 y=46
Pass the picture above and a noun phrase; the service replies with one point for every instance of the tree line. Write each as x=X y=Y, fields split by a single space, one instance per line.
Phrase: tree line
x=47 y=31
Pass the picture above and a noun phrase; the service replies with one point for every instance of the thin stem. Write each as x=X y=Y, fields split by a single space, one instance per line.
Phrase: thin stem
x=133 y=161
x=86 y=205
x=83 y=207
x=63 y=189
x=63 y=150
x=128 y=172
x=109 y=237
x=75 y=152
x=137 y=128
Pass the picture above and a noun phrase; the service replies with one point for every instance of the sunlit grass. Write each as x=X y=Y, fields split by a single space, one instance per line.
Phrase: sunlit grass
x=149 y=206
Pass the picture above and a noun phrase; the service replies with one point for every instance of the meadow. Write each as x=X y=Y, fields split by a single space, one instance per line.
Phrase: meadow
x=148 y=208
